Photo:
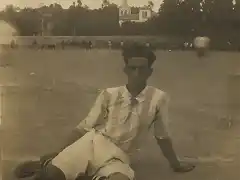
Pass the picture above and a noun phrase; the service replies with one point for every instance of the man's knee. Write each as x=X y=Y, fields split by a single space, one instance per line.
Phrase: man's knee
x=52 y=172
x=118 y=176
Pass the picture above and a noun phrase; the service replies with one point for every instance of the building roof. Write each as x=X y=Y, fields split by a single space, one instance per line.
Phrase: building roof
x=145 y=8
x=138 y=8
x=129 y=17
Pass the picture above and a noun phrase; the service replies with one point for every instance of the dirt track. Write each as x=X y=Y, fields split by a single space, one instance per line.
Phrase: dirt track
x=49 y=92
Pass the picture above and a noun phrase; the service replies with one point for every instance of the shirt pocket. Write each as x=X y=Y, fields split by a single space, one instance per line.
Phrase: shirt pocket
x=118 y=114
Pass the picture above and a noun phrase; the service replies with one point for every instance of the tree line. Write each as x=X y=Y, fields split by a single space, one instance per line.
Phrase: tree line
x=187 y=18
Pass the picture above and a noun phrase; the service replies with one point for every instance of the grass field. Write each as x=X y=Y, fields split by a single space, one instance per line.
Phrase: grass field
x=46 y=93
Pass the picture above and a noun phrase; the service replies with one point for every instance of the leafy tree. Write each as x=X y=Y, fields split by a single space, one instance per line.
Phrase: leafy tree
x=184 y=18
x=105 y=3
x=167 y=21
x=79 y=3
x=150 y=5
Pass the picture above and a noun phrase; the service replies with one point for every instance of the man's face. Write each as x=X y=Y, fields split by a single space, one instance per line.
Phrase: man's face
x=137 y=70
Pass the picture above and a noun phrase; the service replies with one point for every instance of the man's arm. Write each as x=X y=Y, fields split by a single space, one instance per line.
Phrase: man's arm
x=167 y=149
x=161 y=133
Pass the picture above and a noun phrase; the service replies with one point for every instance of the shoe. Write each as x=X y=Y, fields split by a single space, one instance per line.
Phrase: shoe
x=27 y=169
x=87 y=177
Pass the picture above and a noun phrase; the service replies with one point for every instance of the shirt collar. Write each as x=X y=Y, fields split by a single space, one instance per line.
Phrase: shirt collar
x=140 y=97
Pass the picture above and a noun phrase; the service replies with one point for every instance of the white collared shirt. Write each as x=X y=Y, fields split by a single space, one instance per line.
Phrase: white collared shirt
x=201 y=42
x=123 y=120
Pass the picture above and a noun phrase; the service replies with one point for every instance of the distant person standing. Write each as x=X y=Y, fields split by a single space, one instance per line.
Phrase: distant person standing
x=12 y=44
x=185 y=45
x=201 y=43
x=34 y=44
x=63 y=44
x=229 y=45
x=121 y=44
x=148 y=45
x=191 y=45
x=90 y=45
x=109 y=44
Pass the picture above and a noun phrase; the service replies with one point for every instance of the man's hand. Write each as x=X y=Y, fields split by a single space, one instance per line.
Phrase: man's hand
x=183 y=167
x=48 y=157
x=168 y=152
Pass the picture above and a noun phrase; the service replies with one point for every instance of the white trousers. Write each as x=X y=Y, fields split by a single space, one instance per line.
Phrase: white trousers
x=95 y=154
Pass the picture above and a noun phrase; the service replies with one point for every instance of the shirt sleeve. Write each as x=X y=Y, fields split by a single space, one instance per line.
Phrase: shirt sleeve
x=161 y=121
x=98 y=113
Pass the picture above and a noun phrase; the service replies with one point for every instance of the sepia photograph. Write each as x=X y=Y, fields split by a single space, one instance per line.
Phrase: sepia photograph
x=119 y=89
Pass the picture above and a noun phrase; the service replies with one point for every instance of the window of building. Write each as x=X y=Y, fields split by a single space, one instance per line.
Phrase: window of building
x=144 y=14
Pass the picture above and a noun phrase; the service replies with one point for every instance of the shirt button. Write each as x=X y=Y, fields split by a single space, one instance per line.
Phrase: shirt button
x=134 y=101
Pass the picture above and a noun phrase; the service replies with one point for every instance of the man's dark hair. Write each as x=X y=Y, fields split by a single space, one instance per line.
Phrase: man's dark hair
x=138 y=50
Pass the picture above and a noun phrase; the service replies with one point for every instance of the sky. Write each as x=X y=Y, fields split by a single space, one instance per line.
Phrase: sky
x=65 y=3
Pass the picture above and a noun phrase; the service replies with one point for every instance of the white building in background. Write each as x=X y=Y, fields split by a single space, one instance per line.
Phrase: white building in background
x=125 y=14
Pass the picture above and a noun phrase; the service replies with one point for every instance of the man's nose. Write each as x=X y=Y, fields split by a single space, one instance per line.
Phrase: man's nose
x=136 y=72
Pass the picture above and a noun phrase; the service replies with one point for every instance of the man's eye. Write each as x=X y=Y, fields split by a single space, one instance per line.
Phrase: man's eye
x=131 y=68
x=139 y=68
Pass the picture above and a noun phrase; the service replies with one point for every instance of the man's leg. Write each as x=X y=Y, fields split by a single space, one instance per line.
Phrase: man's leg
x=118 y=176
x=37 y=171
x=112 y=165
x=65 y=166
x=76 y=157
x=116 y=170
x=200 y=52
x=50 y=172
